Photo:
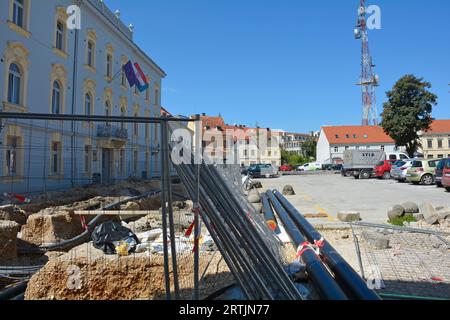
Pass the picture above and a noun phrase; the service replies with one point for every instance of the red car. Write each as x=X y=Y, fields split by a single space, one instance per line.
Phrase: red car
x=285 y=168
x=446 y=175
x=383 y=169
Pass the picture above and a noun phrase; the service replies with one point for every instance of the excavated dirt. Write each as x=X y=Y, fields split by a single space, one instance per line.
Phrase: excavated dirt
x=127 y=188
x=44 y=228
x=13 y=213
x=8 y=242
x=86 y=273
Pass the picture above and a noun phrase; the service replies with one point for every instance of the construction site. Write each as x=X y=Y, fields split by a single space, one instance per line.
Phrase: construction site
x=196 y=234
x=89 y=212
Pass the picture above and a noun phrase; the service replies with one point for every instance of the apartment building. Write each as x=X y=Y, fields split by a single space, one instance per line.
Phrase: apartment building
x=46 y=67
x=436 y=141
x=239 y=144
x=293 y=142
x=334 y=140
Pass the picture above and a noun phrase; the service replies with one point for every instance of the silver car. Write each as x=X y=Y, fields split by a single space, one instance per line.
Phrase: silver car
x=399 y=172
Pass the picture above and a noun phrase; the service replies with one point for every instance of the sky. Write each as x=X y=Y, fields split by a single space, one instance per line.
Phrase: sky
x=287 y=64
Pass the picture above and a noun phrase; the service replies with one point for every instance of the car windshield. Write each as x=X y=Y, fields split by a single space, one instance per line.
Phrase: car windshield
x=441 y=164
x=432 y=164
x=400 y=163
x=417 y=164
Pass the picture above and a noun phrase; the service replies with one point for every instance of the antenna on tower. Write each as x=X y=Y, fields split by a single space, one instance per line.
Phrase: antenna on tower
x=368 y=80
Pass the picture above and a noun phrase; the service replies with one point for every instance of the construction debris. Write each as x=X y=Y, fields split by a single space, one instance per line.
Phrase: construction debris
x=349 y=216
x=8 y=242
x=376 y=239
x=13 y=213
x=86 y=273
x=288 y=190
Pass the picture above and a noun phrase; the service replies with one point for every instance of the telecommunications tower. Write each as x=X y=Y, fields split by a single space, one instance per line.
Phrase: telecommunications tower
x=368 y=80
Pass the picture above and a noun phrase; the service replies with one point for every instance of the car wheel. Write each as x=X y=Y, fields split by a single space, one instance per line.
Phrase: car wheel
x=386 y=176
x=365 y=175
x=427 y=180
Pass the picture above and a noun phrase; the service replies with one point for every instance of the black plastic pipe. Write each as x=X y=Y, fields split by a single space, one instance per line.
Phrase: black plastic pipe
x=14 y=291
x=269 y=216
x=347 y=277
x=323 y=280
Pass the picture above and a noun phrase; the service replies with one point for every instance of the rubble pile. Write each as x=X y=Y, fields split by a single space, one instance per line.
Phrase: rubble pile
x=425 y=215
x=86 y=273
x=8 y=242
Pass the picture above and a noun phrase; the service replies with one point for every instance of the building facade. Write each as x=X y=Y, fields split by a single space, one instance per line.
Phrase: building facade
x=48 y=68
x=293 y=142
x=246 y=146
x=436 y=141
x=334 y=140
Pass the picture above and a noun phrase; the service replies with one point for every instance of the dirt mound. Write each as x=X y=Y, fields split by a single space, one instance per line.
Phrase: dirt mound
x=85 y=273
x=13 y=213
x=8 y=242
x=43 y=228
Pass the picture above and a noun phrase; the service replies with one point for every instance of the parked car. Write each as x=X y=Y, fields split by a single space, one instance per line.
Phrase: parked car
x=262 y=170
x=422 y=171
x=440 y=172
x=396 y=165
x=399 y=172
x=446 y=175
x=286 y=168
x=383 y=169
x=310 y=167
x=244 y=170
x=336 y=167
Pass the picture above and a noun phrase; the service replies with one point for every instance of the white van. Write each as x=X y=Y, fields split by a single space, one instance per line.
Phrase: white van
x=397 y=156
x=310 y=167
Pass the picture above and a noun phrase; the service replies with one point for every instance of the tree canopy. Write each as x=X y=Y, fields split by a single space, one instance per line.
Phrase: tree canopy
x=408 y=111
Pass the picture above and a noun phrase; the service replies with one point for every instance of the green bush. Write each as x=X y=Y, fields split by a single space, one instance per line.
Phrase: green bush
x=398 y=221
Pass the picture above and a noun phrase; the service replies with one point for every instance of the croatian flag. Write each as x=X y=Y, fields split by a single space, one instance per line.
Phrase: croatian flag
x=135 y=76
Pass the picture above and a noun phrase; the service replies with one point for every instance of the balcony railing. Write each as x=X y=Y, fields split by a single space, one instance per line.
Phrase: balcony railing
x=108 y=131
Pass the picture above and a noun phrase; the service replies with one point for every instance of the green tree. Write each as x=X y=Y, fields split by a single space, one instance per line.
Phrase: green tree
x=292 y=158
x=309 y=149
x=408 y=111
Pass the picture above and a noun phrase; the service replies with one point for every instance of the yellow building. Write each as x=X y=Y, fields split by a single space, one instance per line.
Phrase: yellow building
x=436 y=141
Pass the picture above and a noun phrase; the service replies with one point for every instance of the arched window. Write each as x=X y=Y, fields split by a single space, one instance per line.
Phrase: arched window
x=156 y=97
x=109 y=65
x=18 y=13
x=90 y=54
x=88 y=104
x=14 y=84
x=59 y=36
x=56 y=98
x=136 y=126
x=108 y=111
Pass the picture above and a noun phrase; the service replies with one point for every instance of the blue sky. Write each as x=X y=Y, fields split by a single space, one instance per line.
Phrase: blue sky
x=287 y=64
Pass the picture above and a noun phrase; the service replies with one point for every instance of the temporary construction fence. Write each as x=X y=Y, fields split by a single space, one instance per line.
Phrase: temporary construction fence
x=179 y=259
x=404 y=263
x=57 y=165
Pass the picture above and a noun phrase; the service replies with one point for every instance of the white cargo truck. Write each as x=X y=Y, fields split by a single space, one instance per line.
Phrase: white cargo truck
x=361 y=163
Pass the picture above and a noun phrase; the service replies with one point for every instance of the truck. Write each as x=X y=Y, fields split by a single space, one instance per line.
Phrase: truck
x=361 y=163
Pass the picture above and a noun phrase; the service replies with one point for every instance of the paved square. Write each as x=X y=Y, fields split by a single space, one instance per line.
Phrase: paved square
x=330 y=193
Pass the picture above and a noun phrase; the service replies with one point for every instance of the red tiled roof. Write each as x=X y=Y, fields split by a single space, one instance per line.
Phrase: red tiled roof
x=356 y=135
x=164 y=112
x=440 y=126
x=212 y=122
